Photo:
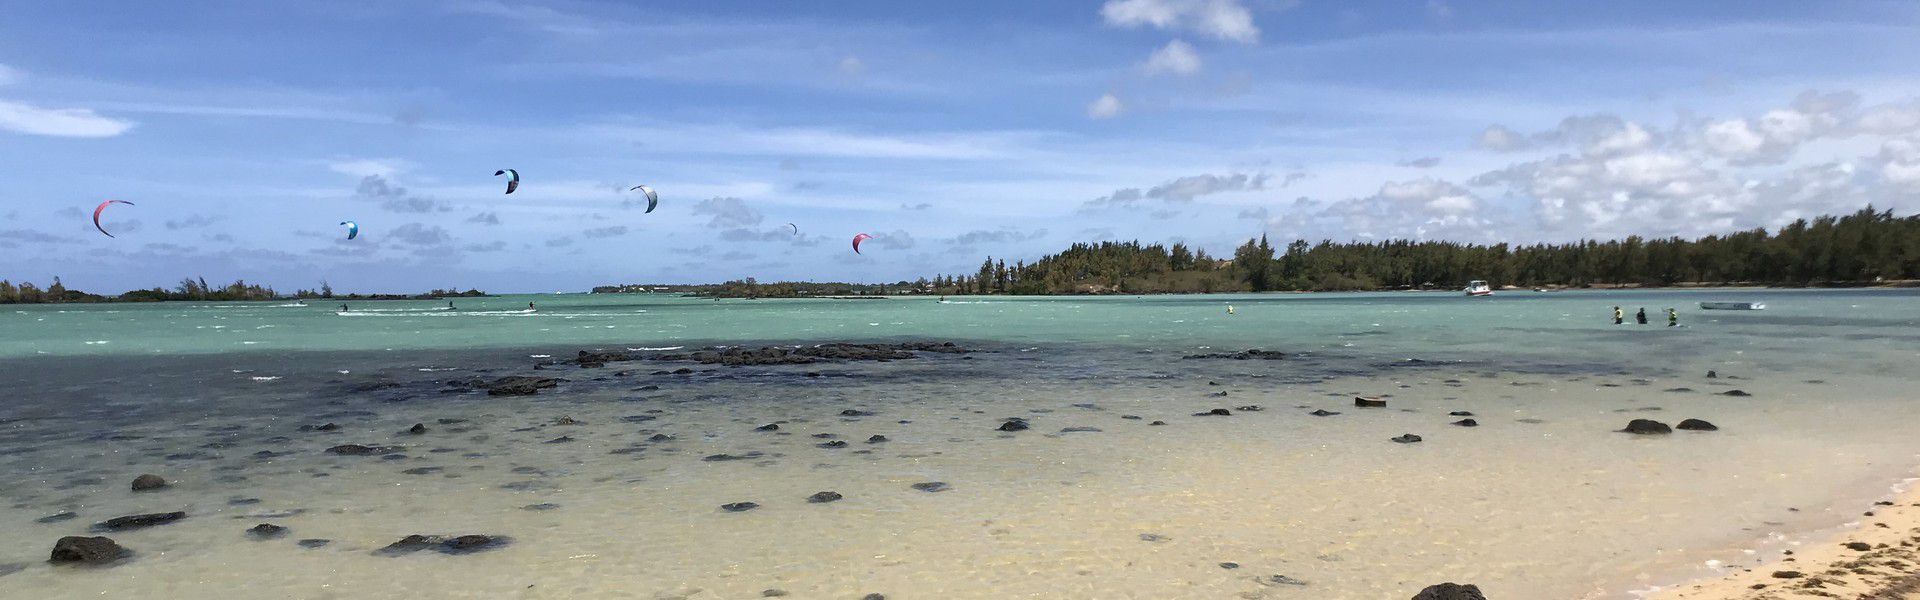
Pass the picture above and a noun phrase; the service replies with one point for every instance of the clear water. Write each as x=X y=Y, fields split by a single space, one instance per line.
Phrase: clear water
x=1545 y=499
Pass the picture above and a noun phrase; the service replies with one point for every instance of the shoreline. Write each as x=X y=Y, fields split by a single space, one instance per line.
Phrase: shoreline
x=1873 y=556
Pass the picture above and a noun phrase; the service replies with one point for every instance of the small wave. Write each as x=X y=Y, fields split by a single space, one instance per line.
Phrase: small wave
x=97 y=342
x=539 y=356
x=644 y=348
x=266 y=378
x=246 y=343
x=434 y=370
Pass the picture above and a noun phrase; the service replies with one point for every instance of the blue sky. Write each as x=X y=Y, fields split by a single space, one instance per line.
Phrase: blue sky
x=244 y=131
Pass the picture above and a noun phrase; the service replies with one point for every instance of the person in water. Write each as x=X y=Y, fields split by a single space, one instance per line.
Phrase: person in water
x=1618 y=317
x=1673 y=317
x=529 y=306
x=343 y=308
x=1641 y=316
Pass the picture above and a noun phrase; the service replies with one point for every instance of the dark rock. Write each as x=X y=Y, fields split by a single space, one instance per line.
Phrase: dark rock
x=326 y=427
x=1364 y=402
x=1229 y=565
x=559 y=440
x=65 y=515
x=1460 y=413
x=731 y=457
x=1323 y=413
x=140 y=521
x=266 y=531
x=824 y=436
x=1219 y=394
x=417 y=428
x=464 y=544
x=76 y=549
x=775 y=355
x=659 y=437
x=1858 y=546
x=1080 y=430
x=358 y=450
x=422 y=470
x=878 y=439
x=773 y=593
x=932 y=486
x=449 y=421
x=1712 y=375
x=513 y=385
x=739 y=506
x=833 y=444
x=1647 y=427
x=1154 y=537
x=824 y=497
x=1407 y=439
x=1249 y=408
x=682 y=371
x=242 y=501
x=1696 y=425
x=874 y=597
x=1218 y=412
x=1450 y=591
x=1467 y=423
x=1788 y=575
x=540 y=507
x=638 y=418
x=1130 y=417
x=148 y=482
x=1272 y=580
x=1156 y=423
x=1014 y=425
x=311 y=543
x=855 y=413
x=1253 y=354
x=1735 y=393
x=768 y=427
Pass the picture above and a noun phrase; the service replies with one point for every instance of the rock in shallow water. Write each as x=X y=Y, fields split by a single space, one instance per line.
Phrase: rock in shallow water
x=1736 y=393
x=1253 y=354
x=1460 y=413
x=463 y=544
x=312 y=543
x=359 y=450
x=64 y=515
x=878 y=439
x=1323 y=413
x=266 y=531
x=148 y=482
x=1218 y=412
x=739 y=506
x=76 y=549
x=932 y=486
x=1450 y=591
x=768 y=427
x=1014 y=425
x=1647 y=427
x=1364 y=402
x=1467 y=423
x=140 y=521
x=824 y=497
x=1407 y=439
x=1696 y=425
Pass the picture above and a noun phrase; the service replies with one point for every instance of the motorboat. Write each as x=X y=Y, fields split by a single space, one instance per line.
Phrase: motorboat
x=1733 y=306
x=1478 y=287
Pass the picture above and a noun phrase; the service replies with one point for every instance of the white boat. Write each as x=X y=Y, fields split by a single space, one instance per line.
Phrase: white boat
x=1478 y=288
x=1732 y=305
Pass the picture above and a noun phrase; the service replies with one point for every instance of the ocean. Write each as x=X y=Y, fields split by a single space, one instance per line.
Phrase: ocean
x=610 y=484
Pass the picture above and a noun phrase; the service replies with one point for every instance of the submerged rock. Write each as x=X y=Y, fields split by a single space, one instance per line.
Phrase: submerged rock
x=464 y=544
x=140 y=521
x=65 y=515
x=824 y=497
x=311 y=543
x=1323 y=413
x=417 y=428
x=1736 y=393
x=833 y=444
x=878 y=439
x=1407 y=439
x=513 y=385
x=1697 y=425
x=1014 y=425
x=932 y=486
x=1460 y=413
x=739 y=506
x=855 y=413
x=1364 y=402
x=768 y=427
x=1450 y=591
x=326 y=427
x=777 y=355
x=1080 y=430
x=1249 y=408
x=1218 y=412
x=732 y=457
x=266 y=531
x=359 y=450
x=1467 y=423
x=148 y=482
x=77 y=549
x=1647 y=427
x=1252 y=354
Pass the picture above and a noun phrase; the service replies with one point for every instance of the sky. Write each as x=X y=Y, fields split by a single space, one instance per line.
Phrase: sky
x=243 y=132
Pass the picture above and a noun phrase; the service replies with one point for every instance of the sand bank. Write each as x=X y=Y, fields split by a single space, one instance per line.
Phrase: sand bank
x=1874 y=558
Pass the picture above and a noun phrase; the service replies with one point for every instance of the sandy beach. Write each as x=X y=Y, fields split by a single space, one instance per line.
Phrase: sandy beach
x=1875 y=557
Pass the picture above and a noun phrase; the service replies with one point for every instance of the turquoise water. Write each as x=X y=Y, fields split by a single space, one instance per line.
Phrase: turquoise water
x=1120 y=489
x=1848 y=329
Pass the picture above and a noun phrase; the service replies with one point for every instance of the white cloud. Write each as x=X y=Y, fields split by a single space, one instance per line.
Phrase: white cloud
x=370 y=167
x=728 y=213
x=852 y=66
x=1107 y=106
x=1224 y=19
x=1183 y=189
x=1499 y=138
x=58 y=122
x=1177 y=57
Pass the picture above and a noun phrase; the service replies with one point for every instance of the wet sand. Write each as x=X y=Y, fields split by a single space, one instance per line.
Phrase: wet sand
x=1874 y=557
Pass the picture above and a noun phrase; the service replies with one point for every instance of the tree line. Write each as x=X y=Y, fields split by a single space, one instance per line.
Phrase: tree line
x=193 y=289
x=1865 y=247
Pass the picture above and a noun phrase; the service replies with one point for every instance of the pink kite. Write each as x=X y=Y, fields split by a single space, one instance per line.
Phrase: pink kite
x=856 y=241
x=102 y=207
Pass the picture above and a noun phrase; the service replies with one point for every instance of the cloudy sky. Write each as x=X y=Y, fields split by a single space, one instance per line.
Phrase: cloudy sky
x=244 y=131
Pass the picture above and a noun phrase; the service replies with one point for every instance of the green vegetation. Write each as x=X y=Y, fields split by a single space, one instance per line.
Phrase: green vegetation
x=750 y=288
x=1863 y=248
x=190 y=289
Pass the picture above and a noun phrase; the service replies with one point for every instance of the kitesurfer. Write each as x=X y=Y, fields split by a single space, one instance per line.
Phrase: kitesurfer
x=1673 y=317
x=1618 y=317
x=1641 y=316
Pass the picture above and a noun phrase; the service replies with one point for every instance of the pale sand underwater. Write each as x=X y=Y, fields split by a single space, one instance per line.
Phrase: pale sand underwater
x=1544 y=499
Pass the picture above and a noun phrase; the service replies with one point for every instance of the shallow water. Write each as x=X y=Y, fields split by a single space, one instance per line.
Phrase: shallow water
x=1543 y=500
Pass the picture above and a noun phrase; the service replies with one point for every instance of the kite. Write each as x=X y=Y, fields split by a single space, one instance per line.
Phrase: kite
x=513 y=178
x=856 y=241
x=102 y=207
x=653 y=199
x=353 y=229
x=796 y=228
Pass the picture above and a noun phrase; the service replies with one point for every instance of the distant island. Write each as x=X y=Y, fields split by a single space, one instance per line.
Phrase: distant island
x=1868 y=247
x=194 y=289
